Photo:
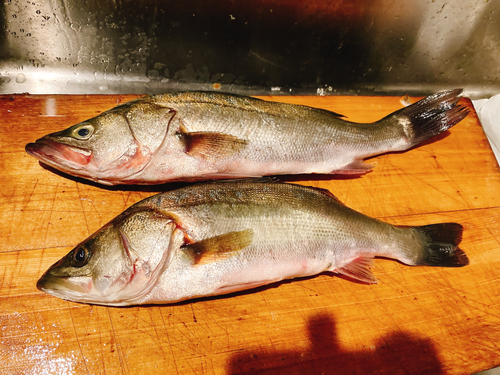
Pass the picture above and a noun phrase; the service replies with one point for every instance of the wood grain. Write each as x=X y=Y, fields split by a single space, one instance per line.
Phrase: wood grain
x=416 y=320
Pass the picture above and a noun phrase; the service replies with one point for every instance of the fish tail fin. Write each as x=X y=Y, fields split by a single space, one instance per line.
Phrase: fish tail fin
x=440 y=245
x=428 y=117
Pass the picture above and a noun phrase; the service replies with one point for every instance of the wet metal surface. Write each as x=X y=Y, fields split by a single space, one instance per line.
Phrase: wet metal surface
x=259 y=47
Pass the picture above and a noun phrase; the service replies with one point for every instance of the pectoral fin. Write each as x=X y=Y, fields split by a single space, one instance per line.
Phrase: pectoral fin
x=211 y=145
x=218 y=248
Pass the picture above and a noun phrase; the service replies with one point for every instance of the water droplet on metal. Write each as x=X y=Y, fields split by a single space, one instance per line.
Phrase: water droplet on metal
x=20 y=78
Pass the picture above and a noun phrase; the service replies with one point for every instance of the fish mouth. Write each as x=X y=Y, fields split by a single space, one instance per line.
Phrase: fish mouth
x=57 y=154
x=77 y=289
x=73 y=289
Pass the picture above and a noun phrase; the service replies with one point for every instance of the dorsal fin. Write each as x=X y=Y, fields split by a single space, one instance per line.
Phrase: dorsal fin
x=245 y=103
x=326 y=192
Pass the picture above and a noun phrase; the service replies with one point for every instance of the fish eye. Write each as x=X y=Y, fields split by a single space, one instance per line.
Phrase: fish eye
x=83 y=132
x=81 y=256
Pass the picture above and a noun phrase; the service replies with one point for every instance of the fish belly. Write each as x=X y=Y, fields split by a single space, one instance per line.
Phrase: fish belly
x=184 y=281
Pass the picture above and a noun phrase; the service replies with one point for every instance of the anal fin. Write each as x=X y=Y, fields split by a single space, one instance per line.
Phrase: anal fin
x=359 y=269
x=356 y=167
x=219 y=247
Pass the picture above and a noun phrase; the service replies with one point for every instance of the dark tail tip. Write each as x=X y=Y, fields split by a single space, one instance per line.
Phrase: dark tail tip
x=441 y=245
x=433 y=115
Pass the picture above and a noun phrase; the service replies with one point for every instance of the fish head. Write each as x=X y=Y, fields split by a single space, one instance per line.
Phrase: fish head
x=118 y=265
x=116 y=145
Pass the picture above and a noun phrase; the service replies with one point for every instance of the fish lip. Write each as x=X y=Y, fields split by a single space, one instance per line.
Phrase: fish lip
x=42 y=285
x=55 y=153
x=60 y=288
x=46 y=283
x=70 y=293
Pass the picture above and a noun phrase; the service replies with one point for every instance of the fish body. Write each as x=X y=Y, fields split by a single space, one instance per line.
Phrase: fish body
x=221 y=237
x=204 y=135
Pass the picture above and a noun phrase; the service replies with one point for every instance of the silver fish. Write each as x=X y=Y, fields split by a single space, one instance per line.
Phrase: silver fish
x=221 y=237
x=203 y=135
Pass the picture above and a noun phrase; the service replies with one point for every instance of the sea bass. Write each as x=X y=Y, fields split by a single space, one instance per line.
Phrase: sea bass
x=205 y=135
x=220 y=237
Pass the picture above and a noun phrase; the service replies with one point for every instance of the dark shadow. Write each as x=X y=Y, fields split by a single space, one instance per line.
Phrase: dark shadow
x=396 y=353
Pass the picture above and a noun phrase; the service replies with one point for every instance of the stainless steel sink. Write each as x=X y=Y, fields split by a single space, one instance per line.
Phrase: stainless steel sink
x=260 y=47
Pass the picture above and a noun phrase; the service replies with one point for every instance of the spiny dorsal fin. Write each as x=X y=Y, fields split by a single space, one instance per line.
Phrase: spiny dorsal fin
x=327 y=192
x=240 y=102
x=211 y=145
x=219 y=247
x=359 y=269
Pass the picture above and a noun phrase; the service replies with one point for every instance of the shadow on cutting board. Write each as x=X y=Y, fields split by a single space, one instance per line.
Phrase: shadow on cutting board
x=398 y=352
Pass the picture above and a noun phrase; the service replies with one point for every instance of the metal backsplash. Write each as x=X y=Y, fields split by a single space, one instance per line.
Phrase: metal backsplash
x=250 y=47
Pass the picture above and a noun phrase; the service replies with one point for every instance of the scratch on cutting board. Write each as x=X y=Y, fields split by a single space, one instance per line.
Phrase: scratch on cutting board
x=371 y=316
x=39 y=271
x=31 y=195
x=113 y=335
x=50 y=212
x=452 y=181
x=158 y=339
x=229 y=337
x=194 y=316
x=486 y=308
x=140 y=322
x=101 y=345
x=96 y=211
x=13 y=272
x=2 y=279
x=349 y=187
x=187 y=342
x=168 y=341
x=126 y=199
x=315 y=292
x=83 y=208
x=78 y=340
x=369 y=180
x=416 y=177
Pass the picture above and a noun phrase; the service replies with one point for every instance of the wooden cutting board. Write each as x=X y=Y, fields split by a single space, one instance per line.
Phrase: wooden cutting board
x=416 y=320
